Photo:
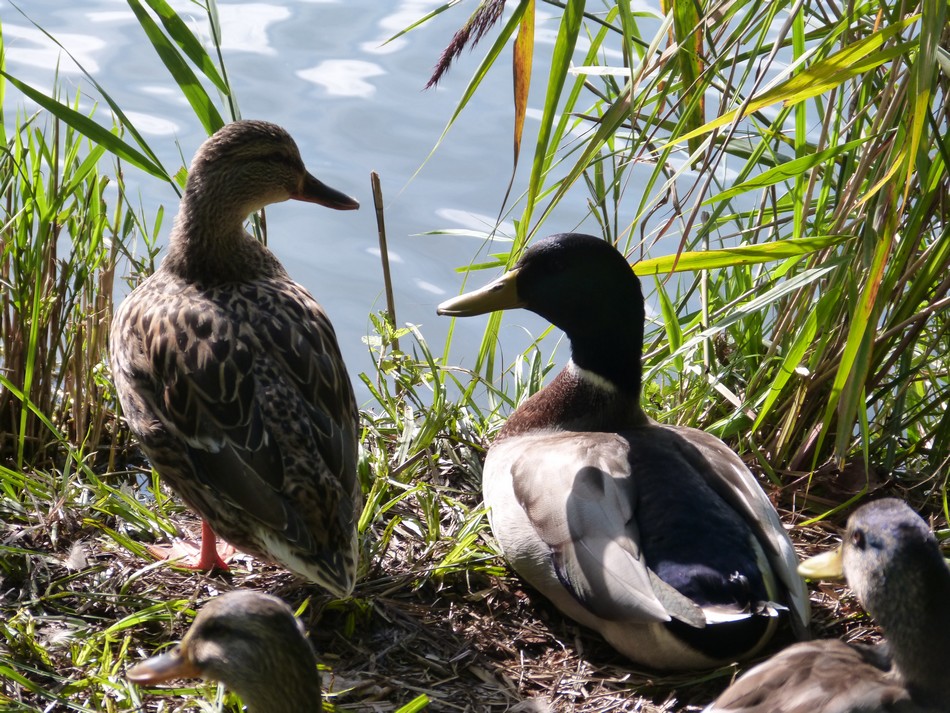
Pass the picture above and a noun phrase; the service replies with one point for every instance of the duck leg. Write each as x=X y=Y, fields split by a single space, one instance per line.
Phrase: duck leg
x=207 y=556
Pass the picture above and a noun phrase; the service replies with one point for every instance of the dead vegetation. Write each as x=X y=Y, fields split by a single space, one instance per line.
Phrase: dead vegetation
x=79 y=608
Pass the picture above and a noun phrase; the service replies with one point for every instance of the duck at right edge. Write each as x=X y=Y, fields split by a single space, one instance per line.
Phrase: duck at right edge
x=656 y=536
x=893 y=564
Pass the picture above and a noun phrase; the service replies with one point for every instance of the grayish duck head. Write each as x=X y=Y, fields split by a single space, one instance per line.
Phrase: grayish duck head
x=252 y=643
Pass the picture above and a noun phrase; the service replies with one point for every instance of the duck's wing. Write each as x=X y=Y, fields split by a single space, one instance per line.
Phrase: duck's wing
x=826 y=676
x=303 y=343
x=183 y=369
x=725 y=473
x=244 y=400
x=576 y=492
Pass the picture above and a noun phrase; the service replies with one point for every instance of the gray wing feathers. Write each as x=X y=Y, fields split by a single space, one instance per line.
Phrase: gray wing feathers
x=815 y=677
x=585 y=516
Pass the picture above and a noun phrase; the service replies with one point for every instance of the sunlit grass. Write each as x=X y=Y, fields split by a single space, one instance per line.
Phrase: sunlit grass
x=824 y=341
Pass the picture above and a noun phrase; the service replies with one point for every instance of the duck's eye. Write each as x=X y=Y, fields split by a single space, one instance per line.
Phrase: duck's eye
x=858 y=539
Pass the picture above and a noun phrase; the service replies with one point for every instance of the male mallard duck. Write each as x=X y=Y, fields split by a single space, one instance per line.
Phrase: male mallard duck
x=656 y=536
x=892 y=562
x=230 y=374
x=254 y=645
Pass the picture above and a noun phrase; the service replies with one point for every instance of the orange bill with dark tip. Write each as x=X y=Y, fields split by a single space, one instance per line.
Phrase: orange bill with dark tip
x=158 y=669
x=313 y=190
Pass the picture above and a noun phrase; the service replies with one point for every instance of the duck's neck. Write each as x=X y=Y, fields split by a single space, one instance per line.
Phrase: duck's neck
x=916 y=622
x=209 y=243
x=613 y=356
x=301 y=696
x=578 y=400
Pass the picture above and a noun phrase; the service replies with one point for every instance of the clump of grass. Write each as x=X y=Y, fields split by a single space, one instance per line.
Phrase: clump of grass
x=796 y=160
x=58 y=264
x=424 y=447
x=65 y=233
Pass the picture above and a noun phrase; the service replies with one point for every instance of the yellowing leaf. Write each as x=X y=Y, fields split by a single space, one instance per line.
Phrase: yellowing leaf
x=862 y=56
x=741 y=255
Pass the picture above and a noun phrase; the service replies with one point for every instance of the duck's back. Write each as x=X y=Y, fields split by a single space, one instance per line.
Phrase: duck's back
x=627 y=533
x=818 y=677
x=239 y=396
x=698 y=484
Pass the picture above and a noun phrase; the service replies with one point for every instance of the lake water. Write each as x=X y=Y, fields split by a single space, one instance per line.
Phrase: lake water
x=354 y=105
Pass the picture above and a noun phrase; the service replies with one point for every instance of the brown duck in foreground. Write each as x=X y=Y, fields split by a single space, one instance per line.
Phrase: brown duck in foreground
x=252 y=643
x=230 y=375
x=892 y=562
x=656 y=536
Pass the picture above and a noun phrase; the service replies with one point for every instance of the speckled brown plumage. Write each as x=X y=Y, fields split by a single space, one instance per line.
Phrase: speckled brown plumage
x=230 y=374
x=892 y=562
x=253 y=644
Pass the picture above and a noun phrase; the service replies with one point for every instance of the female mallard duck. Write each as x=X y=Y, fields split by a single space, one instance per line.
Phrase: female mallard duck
x=892 y=562
x=230 y=375
x=656 y=536
x=254 y=645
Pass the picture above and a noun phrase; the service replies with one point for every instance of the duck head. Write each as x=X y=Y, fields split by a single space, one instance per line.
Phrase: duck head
x=585 y=287
x=253 y=644
x=893 y=564
x=251 y=164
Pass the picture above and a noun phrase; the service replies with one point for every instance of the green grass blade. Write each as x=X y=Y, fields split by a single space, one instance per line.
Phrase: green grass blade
x=787 y=171
x=854 y=359
x=86 y=168
x=786 y=369
x=674 y=333
x=933 y=24
x=416 y=704
x=741 y=255
x=21 y=395
x=688 y=33
x=90 y=129
x=561 y=57
x=183 y=75
x=422 y=20
x=188 y=43
x=3 y=90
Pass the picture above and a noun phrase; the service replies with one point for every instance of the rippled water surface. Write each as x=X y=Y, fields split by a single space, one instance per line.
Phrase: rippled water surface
x=354 y=104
